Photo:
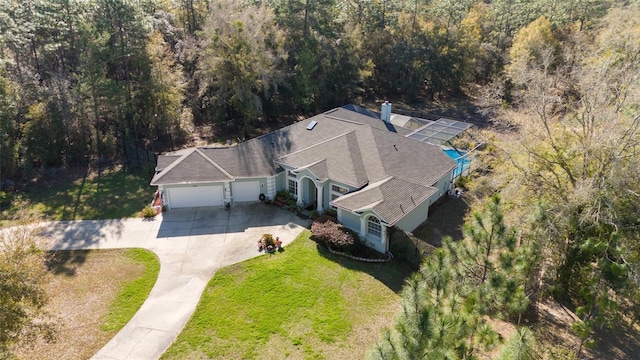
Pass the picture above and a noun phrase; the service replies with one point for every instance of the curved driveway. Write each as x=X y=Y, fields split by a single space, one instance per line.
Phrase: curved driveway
x=191 y=245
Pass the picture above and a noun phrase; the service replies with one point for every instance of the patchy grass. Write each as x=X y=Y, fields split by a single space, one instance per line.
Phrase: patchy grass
x=109 y=194
x=93 y=294
x=133 y=293
x=299 y=304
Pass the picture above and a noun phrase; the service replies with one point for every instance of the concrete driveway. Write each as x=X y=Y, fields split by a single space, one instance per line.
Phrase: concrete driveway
x=191 y=244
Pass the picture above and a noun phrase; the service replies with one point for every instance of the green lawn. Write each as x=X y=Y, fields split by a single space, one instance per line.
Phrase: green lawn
x=134 y=293
x=111 y=194
x=298 y=304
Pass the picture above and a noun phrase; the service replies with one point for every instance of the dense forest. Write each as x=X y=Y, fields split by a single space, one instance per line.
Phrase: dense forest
x=105 y=80
x=115 y=80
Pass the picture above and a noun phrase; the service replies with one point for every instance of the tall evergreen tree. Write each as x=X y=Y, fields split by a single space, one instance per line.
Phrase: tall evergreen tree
x=445 y=305
x=241 y=63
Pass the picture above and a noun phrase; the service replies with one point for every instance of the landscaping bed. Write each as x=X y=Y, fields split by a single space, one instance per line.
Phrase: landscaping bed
x=342 y=241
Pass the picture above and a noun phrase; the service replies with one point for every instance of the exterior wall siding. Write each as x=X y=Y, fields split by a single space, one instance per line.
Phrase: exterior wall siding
x=443 y=185
x=416 y=217
x=281 y=181
x=351 y=221
x=375 y=244
x=329 y=190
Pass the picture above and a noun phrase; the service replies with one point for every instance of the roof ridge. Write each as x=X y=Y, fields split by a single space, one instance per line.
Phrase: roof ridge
x=313 y=163
x=175 y=163
x=370 y=207
x=308 y=168
x=317 y=144
x=344 y=120
x=416 y=183
x=369 y=187
x=214 y=163
x=168 y=169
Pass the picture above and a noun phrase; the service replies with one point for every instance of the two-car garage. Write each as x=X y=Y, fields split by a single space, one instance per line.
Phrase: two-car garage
x=211 y=195
x=195 y=196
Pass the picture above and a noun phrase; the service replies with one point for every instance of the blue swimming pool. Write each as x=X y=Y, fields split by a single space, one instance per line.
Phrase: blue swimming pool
x=461 y=158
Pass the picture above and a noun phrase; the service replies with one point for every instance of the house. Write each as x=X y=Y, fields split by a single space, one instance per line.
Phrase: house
x=370 y=171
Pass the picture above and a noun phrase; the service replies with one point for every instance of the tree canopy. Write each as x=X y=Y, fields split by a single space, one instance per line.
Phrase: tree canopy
x=104 y=80
x=82 y=83
x=23 y=297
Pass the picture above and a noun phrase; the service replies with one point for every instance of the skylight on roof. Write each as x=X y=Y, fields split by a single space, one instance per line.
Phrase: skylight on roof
x=312 y=125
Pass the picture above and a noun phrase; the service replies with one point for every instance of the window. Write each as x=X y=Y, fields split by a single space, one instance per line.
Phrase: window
x=339 y=189
x=373 y=226
x=336 y=192
x=293 y=187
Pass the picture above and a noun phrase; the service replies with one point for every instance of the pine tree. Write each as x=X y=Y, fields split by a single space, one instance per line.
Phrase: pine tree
x=445 y=305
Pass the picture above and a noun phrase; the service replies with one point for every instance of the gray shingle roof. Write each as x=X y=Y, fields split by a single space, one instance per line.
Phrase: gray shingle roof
x=166 y=160
x=341 y=156
x=345 y=146
x=319 y=169
x=411 y=160
x=192 y=167
x=391 y=199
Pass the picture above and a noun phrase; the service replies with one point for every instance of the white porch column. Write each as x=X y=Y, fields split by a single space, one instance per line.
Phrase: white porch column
x=383 y=235
x=299 y=191
x=363 y=226
x=320 y=199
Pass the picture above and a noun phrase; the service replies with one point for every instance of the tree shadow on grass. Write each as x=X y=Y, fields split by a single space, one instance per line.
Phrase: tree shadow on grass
x=620 y=342
x=446 y=217
x=392 y=273
x=76 y=205
x=65 y=262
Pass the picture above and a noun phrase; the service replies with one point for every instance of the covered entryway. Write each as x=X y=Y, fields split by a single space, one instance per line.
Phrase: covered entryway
x=311 y=193
x=245 y=191
x=195 y=196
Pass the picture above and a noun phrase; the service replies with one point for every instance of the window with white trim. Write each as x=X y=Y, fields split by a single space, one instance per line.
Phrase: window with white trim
x=293 y=187
x=339 y=189
x=374 y=227
x=336 y=192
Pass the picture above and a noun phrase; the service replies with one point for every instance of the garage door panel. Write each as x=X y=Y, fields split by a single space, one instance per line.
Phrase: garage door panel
x=195 y=196
x=245 y=191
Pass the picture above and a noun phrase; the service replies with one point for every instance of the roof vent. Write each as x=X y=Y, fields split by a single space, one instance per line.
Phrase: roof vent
x=312 y=125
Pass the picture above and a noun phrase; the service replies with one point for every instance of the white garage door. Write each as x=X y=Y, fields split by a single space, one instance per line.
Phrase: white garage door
x=245 y=191
x=195 y=196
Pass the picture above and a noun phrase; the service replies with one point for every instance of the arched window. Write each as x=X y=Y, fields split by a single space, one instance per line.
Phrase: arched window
x=373 y=226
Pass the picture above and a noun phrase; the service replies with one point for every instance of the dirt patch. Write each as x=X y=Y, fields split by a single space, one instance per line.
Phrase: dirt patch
x=446 y=218
x=622 y=342
x=80 y=295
